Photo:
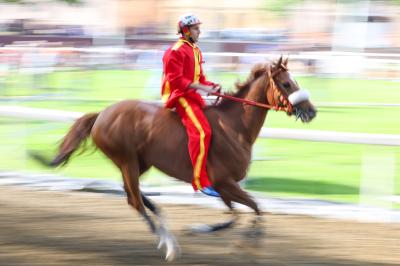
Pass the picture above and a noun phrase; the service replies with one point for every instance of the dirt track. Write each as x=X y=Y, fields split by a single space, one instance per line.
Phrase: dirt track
x=57 y=228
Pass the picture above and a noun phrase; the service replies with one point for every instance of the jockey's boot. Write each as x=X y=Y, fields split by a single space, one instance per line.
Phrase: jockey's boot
x=210 y=191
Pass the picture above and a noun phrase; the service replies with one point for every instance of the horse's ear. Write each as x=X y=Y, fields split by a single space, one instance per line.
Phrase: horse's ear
x=285 y=62
x=279 y=62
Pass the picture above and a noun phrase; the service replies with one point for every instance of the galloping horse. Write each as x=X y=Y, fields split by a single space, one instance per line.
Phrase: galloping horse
x=136 y=135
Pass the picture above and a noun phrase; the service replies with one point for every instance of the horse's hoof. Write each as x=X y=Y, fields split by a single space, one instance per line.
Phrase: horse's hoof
x=172 y=249
x=205 y=228
x=172 y=254
x=200 y=228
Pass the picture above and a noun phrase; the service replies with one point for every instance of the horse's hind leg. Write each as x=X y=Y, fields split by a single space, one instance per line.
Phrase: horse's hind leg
x=150 y=205
x=131 y=172
x=146 y=201
x=166 y=238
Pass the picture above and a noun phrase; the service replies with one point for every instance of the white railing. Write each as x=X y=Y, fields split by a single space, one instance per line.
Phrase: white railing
x=369 y=65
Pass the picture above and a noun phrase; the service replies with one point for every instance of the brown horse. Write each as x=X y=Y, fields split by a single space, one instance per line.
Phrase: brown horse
x=136 y=135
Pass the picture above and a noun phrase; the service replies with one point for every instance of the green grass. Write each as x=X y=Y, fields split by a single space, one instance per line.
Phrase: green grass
x=328 y=171
x=282 y=168
x=381 y=120
x=21 y=136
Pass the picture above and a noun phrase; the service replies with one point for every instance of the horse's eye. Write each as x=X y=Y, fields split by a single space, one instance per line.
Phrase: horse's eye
x=286 y=85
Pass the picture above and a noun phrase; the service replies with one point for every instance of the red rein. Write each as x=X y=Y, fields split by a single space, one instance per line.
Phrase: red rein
x=266 y=106
x=287 y=107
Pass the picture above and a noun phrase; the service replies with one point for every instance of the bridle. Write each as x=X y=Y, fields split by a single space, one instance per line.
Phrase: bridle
x=283 y=103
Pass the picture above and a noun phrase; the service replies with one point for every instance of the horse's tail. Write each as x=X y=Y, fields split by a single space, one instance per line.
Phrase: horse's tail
x=77 y=134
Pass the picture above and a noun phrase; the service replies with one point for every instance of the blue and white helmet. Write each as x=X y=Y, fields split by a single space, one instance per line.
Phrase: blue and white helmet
x=186 y=21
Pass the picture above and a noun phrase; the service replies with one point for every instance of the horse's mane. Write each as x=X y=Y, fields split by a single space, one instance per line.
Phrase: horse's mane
x=242 y=88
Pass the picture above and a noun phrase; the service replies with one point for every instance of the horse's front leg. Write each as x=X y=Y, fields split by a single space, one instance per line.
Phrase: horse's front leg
x=209 y=228
x=230 y=191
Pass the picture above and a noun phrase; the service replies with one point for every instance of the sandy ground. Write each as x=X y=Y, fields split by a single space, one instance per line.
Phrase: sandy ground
x=75 y=228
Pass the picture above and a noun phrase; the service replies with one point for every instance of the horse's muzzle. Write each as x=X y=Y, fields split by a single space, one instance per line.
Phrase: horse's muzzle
x=305 y=114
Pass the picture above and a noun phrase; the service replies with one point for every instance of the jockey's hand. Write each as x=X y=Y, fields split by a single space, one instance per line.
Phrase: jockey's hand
x=206 y=88
x=209 y=89
x=217 y=88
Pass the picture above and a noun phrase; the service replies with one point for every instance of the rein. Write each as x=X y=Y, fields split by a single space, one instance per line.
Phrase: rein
x=287 y=105
x=262 y=105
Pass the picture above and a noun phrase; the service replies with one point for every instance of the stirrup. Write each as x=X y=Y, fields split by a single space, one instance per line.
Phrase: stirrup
x=210 y=191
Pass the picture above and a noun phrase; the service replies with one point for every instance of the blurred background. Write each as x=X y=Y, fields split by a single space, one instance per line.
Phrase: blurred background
x=66 y=57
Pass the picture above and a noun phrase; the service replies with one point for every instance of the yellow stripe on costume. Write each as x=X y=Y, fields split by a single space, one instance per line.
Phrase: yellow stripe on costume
x=196 y=54
x=200 y=157
x=191 y=44
x=166 y=92
x=177 y=45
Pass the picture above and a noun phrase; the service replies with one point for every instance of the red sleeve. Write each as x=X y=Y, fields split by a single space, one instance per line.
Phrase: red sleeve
x=205 y=82
x=174 y=71
x=202 y=78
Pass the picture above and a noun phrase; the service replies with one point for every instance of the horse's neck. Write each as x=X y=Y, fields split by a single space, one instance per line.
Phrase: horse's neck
x=253 y=117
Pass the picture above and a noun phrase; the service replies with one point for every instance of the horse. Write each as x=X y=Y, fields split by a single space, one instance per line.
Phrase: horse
x=136 y=135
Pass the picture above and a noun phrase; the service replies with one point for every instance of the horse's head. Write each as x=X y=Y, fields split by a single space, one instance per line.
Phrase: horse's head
x=286 y=94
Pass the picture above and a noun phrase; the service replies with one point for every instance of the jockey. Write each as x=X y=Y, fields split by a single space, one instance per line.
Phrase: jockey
x=182 y=76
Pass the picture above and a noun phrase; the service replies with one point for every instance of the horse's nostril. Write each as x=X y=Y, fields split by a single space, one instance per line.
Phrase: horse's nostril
x=312 y=113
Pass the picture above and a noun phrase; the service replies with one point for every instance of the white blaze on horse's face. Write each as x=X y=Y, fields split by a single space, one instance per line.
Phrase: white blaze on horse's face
x=297 y=96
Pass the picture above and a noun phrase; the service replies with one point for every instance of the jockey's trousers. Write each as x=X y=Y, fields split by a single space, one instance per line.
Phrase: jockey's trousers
x=199 y=135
